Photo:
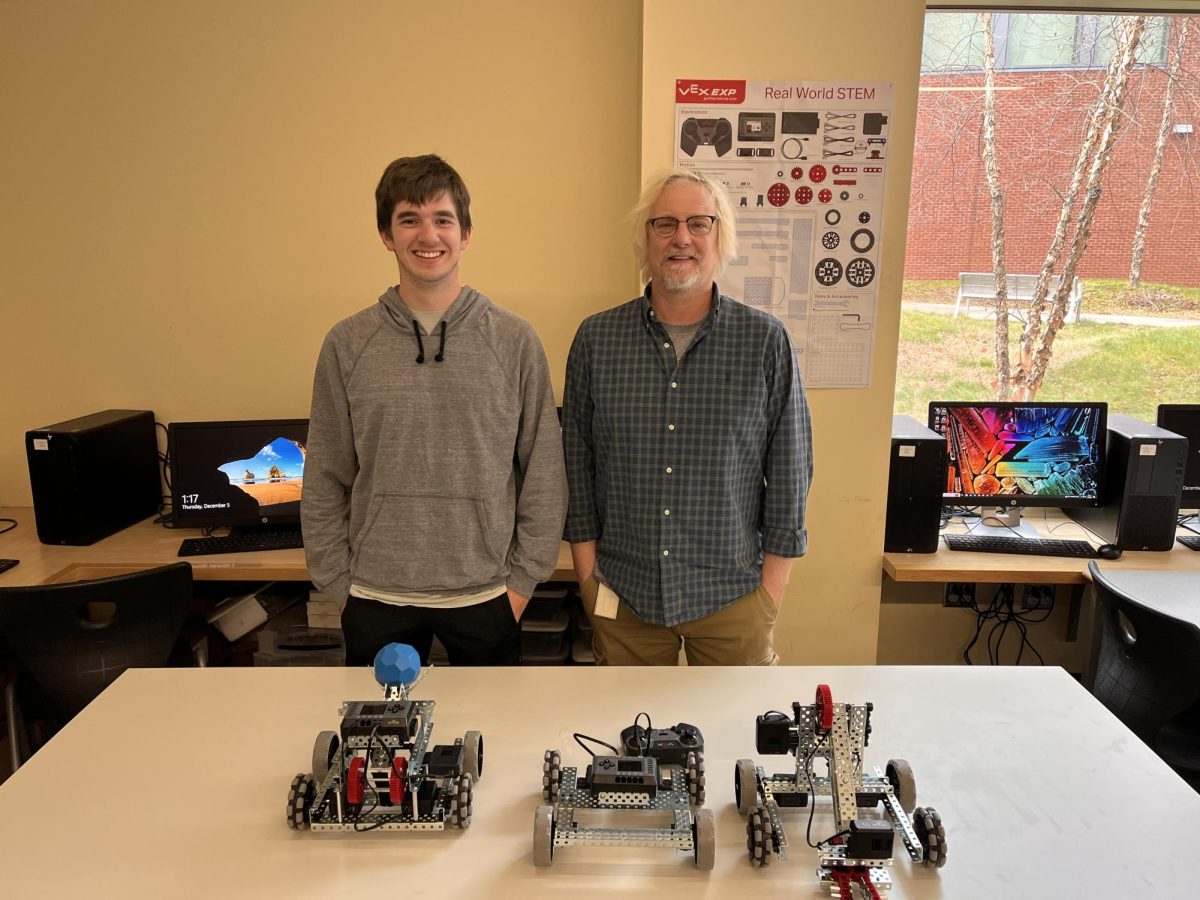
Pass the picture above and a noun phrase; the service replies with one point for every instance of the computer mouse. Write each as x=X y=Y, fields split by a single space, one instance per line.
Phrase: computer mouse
x=1109 y=551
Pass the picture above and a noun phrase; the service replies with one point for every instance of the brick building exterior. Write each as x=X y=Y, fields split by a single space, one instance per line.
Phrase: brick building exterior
x=1041 y=117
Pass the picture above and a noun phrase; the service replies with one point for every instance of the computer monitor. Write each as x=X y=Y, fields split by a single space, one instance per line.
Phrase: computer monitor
x=1014 y=455
x=1184 y=419
x=242 y=474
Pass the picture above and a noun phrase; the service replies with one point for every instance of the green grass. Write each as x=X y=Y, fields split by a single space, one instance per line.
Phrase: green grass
x=1106 y=296
x=1132 y=368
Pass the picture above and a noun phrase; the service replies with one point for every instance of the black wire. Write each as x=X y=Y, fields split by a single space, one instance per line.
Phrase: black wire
x=635 y=731
x=812 y=805
x=12 y=523
x=1002 y=613
x=580 y=738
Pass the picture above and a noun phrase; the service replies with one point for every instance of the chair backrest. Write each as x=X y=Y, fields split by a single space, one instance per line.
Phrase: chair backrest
x=1148 y=670
x=74 y=639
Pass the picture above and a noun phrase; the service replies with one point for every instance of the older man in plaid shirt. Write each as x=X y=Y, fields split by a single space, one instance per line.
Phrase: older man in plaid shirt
x=688 y=448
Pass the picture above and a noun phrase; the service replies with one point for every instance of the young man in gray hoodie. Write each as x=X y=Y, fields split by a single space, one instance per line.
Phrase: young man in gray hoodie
x=434 y=493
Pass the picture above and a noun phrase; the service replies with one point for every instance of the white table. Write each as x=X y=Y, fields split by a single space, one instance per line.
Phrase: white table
x=173 y=783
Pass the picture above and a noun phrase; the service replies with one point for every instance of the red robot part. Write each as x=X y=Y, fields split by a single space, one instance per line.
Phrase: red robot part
x=804 y=194
x=825 y=196
x=844 y=877
x=817 y=173
x=778 y=194
x=397 y=783
x=354 y=781
x=797 y=172
x=824 y=704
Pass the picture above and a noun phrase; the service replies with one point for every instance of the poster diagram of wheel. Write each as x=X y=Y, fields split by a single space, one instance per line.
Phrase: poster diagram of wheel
x=804 y=164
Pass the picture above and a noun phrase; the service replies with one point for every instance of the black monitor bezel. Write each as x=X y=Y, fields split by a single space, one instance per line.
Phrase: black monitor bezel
x=1188 y=498
x=181 y=518
x=1034 y=500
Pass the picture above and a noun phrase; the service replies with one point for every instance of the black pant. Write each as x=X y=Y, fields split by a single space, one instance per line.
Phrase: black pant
x=485 y=634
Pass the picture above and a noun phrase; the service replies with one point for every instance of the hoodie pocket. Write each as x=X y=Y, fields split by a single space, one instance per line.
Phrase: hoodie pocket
x=414 y=542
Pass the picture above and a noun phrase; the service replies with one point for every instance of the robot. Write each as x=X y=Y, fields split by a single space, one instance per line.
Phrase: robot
x=658 y=772
x=853 y=861
x=379 y=770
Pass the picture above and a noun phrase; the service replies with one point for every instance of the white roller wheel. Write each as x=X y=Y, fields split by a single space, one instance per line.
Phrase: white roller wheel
x=745 y=785
x=543 y=835
x=473 y=754
x=325 y=751
x=461 y=802
x=300 y=796
x=759 y=838
x=904 y=783
x=704 y=838
x=695 y=777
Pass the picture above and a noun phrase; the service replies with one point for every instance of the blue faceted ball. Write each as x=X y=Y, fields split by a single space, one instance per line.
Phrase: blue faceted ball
x=397 y=664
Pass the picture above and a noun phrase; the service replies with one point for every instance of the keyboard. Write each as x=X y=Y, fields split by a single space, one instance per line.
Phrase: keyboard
x=986 y=543
x=242 y=543
x=1191 y=541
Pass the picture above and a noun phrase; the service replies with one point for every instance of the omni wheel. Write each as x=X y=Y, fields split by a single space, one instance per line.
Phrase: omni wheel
x=760 y=839
x=745 y=786
x=473 y=754
x=704 y=839
x=543 y=836
x=932 y=835
x=904 y=783
x=461 y=801
x=551 y=776
x=695 y=778
x=325 y=751
x=300 y=797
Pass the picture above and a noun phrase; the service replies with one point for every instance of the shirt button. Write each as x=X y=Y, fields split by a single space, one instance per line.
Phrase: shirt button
x=674 y=384
x=669 y=470
x=667 y=344
x=666 y=512
x=670 y=428
x=666 y=553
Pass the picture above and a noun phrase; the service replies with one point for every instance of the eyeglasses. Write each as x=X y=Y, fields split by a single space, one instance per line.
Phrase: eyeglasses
x=666 y=226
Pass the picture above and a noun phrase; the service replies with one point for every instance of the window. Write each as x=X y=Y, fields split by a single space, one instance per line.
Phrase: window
x=954 y=41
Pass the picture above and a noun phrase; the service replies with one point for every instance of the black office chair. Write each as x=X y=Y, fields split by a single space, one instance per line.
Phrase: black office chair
x=1148 y=675
x=70 y=641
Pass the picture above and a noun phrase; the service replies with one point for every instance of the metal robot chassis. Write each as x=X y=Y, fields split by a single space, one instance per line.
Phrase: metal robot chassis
x=854 y=862
x=379 y=771
x=666 y=787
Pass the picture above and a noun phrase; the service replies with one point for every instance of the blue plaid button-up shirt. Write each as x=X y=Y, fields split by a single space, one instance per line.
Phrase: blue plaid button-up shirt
x=685 y=472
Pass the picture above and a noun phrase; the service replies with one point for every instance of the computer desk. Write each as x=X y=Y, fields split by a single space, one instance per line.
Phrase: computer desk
x=993 y=568
x=174 y=783
x=146 y=545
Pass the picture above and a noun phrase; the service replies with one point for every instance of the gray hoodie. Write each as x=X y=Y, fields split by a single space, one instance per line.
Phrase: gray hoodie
x=438 y=475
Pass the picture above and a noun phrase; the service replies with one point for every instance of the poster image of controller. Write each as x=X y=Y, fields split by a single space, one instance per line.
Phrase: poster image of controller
x=839 y=134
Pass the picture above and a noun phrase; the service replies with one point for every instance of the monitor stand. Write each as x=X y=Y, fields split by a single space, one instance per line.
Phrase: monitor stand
x=1004 y=521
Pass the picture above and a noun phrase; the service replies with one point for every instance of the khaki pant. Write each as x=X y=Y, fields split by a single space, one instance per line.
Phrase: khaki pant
x=738 y=635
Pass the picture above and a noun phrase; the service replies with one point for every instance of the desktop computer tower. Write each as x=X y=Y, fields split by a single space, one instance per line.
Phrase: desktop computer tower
x=1143 y=481
x=916 y=480
x=93 y=476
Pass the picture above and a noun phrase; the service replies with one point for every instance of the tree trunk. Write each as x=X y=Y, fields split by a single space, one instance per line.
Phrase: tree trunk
x=996 y=194
x=1123 y=60
x=1160 y=146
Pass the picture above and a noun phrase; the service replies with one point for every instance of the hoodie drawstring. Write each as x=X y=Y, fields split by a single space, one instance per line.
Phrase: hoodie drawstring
x=420 y=344
x=441 y=354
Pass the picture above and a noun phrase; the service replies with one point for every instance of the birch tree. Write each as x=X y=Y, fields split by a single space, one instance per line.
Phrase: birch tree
x=1046 y=313
x=996 y=199
x=1174 y=64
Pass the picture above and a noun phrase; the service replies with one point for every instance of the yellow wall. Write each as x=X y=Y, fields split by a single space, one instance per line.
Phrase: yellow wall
x=187 y=187
x=187 y=203
x=831 y=610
